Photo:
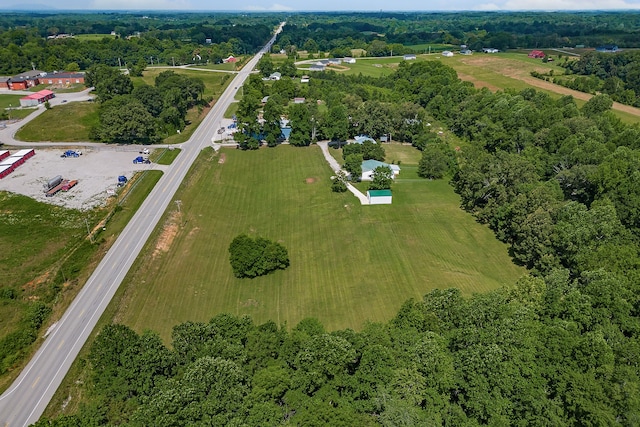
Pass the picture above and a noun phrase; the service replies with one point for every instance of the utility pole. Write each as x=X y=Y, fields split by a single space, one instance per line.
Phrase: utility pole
x=119 y=63
x=88 y=230
x=173 y=60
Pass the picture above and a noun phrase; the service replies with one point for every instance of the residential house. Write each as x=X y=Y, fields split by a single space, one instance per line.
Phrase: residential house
x=466 y=52
x=409 y=57
x=447 y=53
x=317 y=67
x=362 y=138
x=304 y=79
x=368 y=166
x=275 y=76
x=349 y=60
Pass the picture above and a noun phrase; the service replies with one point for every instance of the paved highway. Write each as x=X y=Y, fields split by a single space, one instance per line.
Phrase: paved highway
x=25 y=401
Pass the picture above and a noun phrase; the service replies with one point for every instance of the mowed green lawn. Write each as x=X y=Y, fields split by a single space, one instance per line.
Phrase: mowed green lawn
x=349 y=263
x=70 y=122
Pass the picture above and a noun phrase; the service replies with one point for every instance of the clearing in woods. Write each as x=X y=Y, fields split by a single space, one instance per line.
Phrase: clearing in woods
x=349 y=263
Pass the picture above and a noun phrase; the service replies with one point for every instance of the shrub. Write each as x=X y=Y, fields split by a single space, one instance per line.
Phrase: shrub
x=256 y=257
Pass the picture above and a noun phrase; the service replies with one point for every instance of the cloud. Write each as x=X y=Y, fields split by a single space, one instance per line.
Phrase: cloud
x=568 y=5
x=487 y=6
x=274 y=7
x=141 y=4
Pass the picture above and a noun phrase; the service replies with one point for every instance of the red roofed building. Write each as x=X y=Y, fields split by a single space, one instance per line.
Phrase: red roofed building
x=538 y=54
x=231 y=58
x=36 y=98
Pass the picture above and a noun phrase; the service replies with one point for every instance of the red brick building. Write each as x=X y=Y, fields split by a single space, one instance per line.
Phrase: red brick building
x=62 y=79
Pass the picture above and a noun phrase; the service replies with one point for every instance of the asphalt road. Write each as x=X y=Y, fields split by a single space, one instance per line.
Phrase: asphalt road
x=25 y=401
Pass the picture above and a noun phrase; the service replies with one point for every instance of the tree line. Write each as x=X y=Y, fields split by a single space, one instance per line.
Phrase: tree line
x=144 y=114
x=156 y=39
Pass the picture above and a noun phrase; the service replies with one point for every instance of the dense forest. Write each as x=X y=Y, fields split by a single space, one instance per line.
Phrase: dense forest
x=29 y=39
x=26 y=39
x=616 y=74
x=560 y=347
x=381 y=33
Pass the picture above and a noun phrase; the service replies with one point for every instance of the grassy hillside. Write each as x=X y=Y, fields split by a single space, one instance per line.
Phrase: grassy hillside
x=349 y=263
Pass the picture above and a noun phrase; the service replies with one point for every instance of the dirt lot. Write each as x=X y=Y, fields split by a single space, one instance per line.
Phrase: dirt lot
x=96 y=170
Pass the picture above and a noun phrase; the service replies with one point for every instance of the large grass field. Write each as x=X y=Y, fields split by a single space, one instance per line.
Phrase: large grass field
x=349 y=263
x=67 y=123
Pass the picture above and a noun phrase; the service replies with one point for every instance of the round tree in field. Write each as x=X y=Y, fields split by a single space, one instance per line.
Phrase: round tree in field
x=256 y=257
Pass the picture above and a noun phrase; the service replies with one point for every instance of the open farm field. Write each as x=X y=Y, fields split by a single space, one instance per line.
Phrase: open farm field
x=95 y=37
x=512 y=71
x=227 y=66
x=349 y=263
x=73 y=122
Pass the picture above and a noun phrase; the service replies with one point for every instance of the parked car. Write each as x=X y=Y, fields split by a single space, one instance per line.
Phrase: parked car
x=337 y=144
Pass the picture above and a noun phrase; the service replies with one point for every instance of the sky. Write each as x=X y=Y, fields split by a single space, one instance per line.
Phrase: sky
x=325 y=5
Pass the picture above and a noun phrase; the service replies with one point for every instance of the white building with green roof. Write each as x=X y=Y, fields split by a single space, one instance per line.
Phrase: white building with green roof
x=379 y=197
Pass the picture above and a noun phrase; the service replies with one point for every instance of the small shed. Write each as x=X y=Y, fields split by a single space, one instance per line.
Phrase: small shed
x=379 y=197
x=5 y=170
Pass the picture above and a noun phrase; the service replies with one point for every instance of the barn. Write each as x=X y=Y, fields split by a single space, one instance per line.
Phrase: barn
x=538 y=54
x=379 y=197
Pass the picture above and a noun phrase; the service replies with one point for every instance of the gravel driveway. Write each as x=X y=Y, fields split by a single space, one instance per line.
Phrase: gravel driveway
x=96 y=170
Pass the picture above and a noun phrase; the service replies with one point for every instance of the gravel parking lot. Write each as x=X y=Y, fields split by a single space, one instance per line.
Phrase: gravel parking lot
x=96 y=170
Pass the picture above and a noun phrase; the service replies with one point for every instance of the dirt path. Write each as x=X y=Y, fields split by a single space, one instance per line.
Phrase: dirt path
x=507 y=68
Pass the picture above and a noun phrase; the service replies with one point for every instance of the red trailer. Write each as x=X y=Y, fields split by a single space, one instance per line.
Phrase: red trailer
x=25 y=154
x=5 y=170
x=52 y=192
x=13 y=162
x=4 y=154
x=69 y=185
